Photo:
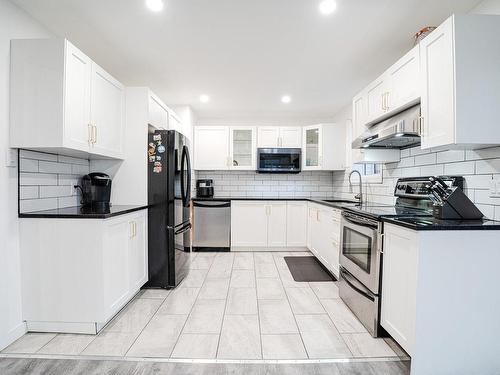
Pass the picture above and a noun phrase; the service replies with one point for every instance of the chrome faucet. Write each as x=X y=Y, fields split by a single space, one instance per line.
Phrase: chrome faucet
x=359 y=196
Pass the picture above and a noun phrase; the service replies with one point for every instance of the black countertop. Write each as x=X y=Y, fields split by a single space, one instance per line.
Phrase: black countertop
x=431 y=223
x=331 y=202
x=82 y=213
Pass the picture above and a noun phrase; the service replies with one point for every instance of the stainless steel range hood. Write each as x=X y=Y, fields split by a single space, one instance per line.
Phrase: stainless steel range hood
x=398 y=131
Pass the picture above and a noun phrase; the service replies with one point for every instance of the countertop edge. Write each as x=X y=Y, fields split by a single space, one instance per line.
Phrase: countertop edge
x=338 y=205
x=41 y=215
x=437 y=227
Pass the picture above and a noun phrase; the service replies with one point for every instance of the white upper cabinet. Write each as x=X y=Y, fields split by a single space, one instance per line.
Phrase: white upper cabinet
x=396 y=89
x=323 y=147
x=158 y=115
x=81 y=111
x=461 y=83
x=174 y=123
x=211 y=148
x=285 y=136
x=242 y=147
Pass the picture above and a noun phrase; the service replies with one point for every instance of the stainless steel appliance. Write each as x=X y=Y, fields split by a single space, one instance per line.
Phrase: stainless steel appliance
x=96 y=191
x=212 y=225
x=205 y=188
x=399 y=131
x=279 y=160
x=169 y=199
x=361 y=249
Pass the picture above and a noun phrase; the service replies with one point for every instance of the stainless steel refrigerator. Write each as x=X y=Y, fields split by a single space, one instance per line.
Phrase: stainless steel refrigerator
x=169 y=196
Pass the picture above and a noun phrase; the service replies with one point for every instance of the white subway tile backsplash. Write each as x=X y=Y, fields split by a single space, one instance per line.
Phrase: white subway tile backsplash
x=425 y=159
x=54 y=167
x=450 y=156
x=432 y=170
x=46 y=180
x=485 y=153
x=488 y=166
x=462 y=168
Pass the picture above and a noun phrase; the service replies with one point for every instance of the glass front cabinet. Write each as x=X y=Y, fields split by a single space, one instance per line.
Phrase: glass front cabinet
x=312 y=148
x=242 y=147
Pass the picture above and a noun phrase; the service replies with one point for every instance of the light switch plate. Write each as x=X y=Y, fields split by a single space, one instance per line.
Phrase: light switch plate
x=11 y=158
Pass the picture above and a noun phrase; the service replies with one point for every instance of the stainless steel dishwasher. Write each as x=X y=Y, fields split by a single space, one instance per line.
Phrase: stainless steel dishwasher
x=212 y=225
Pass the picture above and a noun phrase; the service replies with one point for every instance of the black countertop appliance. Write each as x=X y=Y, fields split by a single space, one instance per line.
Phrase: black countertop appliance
x=96 y=191
x=205 y=188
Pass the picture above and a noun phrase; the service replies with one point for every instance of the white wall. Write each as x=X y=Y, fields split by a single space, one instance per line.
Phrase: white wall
x=14 y=23
x=487 y=7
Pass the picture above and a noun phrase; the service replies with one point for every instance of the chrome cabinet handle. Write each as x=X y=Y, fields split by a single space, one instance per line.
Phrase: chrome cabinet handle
x=95 y=136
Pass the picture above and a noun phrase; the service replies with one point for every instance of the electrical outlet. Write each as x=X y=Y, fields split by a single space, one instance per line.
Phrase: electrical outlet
x=495 y=188
x=11 y=158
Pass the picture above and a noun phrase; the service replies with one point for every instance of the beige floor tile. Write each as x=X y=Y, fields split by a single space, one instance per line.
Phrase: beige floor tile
x=198 y=346
x=262 y=257
x=111 y=344
x=29 y=343
x=321 y=338
x=242 y=301
x=154 y=293
x=180 y=301
x=194 y=279
x=135 y=317
x=266 y=270
x=242 y=279
x=202 y=263
x=270 y=289
x=221 y=268
x=214 y=289
x=343 y=318
x=159 y=337
x=276 y=317
x=206 y=316
x=364 y=345
x=243 y=261
x=283 y=347
x=304 y=301
x=240 y=338
x=67 y=344
x=280 y=262
x=325 y=290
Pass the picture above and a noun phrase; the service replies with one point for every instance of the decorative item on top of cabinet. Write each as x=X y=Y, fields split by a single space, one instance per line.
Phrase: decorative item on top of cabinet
x=224 y=147
x=82 y=110
x=461 y=83
x=283 y=136
x=324 y=147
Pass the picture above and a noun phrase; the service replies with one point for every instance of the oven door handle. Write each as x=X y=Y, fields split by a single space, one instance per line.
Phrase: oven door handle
x=362 y=224
x=363 y=293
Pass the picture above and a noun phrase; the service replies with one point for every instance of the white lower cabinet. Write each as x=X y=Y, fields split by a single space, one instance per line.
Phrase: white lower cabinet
x=399 y=284
x=324 y=235
x=78 y=273
x=268 y=224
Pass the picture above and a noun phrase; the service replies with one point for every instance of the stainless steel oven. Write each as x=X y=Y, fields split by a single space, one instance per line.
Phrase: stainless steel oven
x=360 y=263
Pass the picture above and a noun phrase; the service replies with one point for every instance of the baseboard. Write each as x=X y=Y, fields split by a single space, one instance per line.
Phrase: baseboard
x=270 y=249
x=62 y=327
x=13 y=335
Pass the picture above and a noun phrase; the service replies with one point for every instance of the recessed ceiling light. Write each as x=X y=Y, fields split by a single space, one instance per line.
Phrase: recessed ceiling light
x=286 y=99
x=327 y=7
x=204 y=98
x=155 y=5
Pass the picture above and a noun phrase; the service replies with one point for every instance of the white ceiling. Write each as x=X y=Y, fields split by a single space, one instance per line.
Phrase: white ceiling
x=245 y=54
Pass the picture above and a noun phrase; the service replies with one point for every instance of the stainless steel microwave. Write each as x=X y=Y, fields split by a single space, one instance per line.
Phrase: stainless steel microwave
x=279 y=160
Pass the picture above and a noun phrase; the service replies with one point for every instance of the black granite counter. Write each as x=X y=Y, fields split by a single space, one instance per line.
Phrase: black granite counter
x=82 y=213
x=331 y=202
x=431 y=223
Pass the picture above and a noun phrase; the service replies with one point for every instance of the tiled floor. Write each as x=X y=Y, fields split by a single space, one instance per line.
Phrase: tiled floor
x=242 y=306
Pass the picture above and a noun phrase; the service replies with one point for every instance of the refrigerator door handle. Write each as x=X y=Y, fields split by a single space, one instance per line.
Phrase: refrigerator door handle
x=185 y=168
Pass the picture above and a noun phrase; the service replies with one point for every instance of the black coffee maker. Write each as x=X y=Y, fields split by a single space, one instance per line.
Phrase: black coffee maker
x=96 y=191
x=204 y=188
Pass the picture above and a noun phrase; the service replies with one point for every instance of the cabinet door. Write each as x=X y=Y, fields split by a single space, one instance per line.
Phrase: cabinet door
x=358 y=115
x=211 y=148
x=314 y=230
x=296 y=224
x=399 y=283
x=277 y=220
x=138 y=264
x=242 y=148
x=404 y=78
x=268 y=136
x=158 y=116
x=107 y=113
x=290 y=137
x=376 y=95
x=312 y=147
x=116 y=282
x=77 y=99
x=249 y=223
x=438 y=87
